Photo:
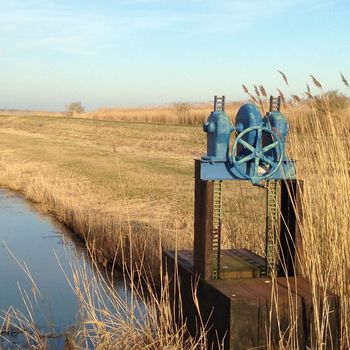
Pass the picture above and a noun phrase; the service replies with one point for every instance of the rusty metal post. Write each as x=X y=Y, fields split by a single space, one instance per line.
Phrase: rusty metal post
x=203 y=224
x=291 y=253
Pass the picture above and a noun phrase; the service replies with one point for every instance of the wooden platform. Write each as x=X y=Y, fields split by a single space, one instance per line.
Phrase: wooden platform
x=235 y=263
x=249 y=311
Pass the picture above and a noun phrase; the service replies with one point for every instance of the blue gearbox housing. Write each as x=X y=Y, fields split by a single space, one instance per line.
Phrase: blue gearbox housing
x=218 y=129
x=258 y=147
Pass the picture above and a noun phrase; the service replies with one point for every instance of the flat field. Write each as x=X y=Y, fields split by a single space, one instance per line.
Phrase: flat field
x=127 y=186
x=99 y=176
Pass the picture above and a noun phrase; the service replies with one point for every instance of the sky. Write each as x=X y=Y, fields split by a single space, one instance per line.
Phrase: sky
x=135 y=53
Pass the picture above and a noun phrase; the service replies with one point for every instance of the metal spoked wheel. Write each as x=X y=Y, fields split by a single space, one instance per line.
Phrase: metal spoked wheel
x=257 y=158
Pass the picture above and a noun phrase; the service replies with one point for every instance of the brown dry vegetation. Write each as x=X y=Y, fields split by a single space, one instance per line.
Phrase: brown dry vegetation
x=126 y=185
x=176 y=114
x=23 y=113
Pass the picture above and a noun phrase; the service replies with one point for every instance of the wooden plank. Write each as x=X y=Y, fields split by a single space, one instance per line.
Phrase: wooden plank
x=269 y=317
x=251 y=256
x=301 y=287
x=245 y=332
x=253 y=264
x=243 y=314
x=203 y=223
x=214 y=305
x=291 y=254
x=233 y=289
x=184 y=258
x=304 y=284
x=296 y=285
x=235 y=263
x=234 y=267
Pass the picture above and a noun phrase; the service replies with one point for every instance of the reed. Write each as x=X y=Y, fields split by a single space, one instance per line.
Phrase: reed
x=141 y=317
x=124 y=186
x=176 y=114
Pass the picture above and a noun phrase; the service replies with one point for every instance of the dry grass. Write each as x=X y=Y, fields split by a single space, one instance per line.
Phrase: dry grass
x=122 y=186
x=100 y=178
x=139 y=317
x=176 y=114
x=21 y=113
x=324 y=165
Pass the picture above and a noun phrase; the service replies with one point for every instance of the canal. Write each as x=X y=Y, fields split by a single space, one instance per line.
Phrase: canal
x=36 y=254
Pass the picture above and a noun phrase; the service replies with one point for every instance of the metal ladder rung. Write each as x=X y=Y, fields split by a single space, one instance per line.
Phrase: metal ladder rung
x=275 y=104
x=216 y=232
x=219 y=103
x=272 y=214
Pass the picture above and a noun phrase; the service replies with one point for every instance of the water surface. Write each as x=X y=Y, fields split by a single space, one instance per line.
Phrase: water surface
x=37 y=241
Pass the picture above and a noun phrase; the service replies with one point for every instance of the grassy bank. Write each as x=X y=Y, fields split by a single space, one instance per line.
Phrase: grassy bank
x=100 y=178
x=121 y=185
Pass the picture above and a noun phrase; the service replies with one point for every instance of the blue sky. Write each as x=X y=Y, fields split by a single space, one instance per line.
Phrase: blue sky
x=128 y=53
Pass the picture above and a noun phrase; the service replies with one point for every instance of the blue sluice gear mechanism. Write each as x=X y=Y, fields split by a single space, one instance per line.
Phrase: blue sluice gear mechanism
x=258 y=150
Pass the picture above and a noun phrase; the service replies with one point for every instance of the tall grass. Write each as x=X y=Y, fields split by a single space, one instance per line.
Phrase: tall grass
x=176 y=114
x=323 y=150
x=141 y=317
x=318 y=141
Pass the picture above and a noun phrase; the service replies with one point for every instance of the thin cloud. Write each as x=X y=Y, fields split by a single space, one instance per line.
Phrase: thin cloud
x=64 y=26
x=60 y=32
x=162 y=13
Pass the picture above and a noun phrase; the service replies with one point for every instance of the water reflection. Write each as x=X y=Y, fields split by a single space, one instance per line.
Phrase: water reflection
x=37 y=241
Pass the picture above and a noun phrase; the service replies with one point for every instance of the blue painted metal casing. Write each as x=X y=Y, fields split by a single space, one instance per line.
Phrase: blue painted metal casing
x=218 y=129
x=278 y=123
x=247 y=116
x=258 y=151
x=227 y=171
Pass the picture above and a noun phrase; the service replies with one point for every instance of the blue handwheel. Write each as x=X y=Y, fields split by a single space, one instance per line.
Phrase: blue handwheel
x=257 y=158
